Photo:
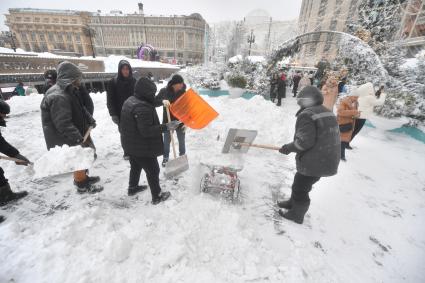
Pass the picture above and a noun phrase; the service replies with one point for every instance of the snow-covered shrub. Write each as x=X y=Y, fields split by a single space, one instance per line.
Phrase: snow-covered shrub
x=237 y=81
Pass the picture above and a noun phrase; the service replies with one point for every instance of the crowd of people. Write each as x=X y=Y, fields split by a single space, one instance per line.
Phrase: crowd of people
x=320 y=140
x=67 y=115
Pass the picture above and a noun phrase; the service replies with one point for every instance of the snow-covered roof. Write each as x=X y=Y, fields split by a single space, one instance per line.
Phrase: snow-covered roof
x=50 y=11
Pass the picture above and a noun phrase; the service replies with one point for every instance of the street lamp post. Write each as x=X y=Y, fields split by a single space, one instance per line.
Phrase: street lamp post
x=11 y=35
x=251 y=40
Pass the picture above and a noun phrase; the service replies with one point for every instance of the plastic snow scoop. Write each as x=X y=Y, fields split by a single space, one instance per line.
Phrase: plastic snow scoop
x=239 y=141
x=65 y=159
x=192 y=110
x=179 y=164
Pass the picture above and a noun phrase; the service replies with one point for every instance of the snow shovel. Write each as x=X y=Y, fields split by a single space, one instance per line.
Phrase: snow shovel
x=65 y=159
x=239 y=141
x=179 y=164
x=14 y=159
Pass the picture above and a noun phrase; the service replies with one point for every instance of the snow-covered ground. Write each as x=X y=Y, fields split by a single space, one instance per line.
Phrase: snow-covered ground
x=365 y=225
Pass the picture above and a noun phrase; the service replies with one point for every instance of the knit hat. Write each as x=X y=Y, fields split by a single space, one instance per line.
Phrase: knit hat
x=176 y=79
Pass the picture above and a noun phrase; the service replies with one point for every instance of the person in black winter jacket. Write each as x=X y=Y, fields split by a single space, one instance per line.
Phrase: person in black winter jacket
x=119 y=90
x=317 y=147
x=281 y=89
x=6 y=194
x=65 y=120
x=166 y=96
x=141 y=138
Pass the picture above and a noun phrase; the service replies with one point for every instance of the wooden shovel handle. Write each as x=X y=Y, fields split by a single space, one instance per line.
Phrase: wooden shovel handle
x=86 y=136
x=171 y=133
x=14 y=159
x=259 y=146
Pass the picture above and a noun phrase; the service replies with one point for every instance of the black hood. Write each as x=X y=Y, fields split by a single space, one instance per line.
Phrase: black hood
x=313 y=93
x=121 y=64
x=145 y=90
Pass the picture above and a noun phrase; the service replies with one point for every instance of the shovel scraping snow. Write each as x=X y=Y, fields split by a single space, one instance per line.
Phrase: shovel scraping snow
x=65 y=159
x=239 y=141
x=179 y=164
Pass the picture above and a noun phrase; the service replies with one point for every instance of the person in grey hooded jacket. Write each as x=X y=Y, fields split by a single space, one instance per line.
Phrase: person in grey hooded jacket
x=317 y=147
x=65 y=120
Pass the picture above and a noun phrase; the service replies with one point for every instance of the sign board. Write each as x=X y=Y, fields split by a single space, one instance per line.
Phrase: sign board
x=30 y=64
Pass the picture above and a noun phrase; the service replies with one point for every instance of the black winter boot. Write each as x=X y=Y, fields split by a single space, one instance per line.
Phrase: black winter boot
x=87 y=187
x=2 y=218
x=137 y=189
x=6 y=195
x=286 y=204
x=297 y=212
x=163 y=196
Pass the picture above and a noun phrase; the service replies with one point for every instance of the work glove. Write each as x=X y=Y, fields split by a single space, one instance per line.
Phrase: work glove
x=285 y=149
x=24 y=162
x=171 y=126
x=166 y=103
x=115 y=119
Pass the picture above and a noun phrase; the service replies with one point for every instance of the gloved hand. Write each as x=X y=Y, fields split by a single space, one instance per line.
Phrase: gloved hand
x=115 y=119
x=171 y=126
x=183 y=128
x=93 y=125
x=24 y=162
x=166 y=103
x=285 y=150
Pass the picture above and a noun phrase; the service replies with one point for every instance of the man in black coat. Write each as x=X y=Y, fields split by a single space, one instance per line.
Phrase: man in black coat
x=166 y=96
x=281 y=89
x=119 y=90
x=317 y=145
x=50 y=77
x=141 y=138
x=295 y=82
x=6 y=194
x=65 y=120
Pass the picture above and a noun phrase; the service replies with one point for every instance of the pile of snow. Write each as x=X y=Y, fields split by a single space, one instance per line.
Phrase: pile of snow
x=194 y=237
x=235 y=59
x=112 y=61
x=256 y=59
x=64 y=159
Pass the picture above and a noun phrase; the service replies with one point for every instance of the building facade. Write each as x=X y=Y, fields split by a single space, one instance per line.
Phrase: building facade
x=338 y=15
x=413 y=26
x=45 y=30
x=176 y=38
x=179 y=38
x=333 y=15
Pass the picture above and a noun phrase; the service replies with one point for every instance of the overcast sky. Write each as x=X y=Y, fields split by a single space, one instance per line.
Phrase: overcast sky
x=211 y=10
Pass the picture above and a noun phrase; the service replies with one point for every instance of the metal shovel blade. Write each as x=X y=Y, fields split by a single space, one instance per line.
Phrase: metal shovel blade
x=176 y=166
x=235 y=140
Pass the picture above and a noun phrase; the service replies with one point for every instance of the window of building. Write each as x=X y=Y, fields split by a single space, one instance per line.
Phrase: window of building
x=180 y=55
x=18 y=19
x=68 y=36
x=170 y=54
x=55 y=20
x=51 y=37
x=33 y=36
x=74 y=21
x=65 y=21
x=27 y=47
x=37 y=20
x=27 y=19
x=41 y=36
x=46 y=20
x=24 y=36
x=80 y=49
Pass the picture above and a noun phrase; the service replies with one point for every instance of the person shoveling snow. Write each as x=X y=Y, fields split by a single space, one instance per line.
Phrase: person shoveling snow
x=317 y=145
x=6 y=194
x=65 y=120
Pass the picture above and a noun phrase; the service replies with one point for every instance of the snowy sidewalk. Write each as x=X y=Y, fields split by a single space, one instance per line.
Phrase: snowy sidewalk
x=364 y=225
